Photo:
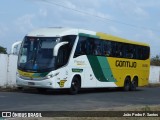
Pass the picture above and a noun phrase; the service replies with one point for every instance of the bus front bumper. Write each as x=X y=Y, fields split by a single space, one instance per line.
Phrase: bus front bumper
x=46 y=83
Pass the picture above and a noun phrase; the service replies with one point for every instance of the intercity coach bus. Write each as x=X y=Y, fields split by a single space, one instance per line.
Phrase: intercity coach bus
x=66 y=58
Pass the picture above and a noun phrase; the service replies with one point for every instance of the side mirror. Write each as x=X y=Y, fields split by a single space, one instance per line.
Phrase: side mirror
x=15 y=47
x=56 y=48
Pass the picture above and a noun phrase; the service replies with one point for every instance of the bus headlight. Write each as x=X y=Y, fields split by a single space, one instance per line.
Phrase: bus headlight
x=52 y=75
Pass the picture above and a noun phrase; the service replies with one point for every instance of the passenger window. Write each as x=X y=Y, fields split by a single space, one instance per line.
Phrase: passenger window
x=97 y=47
x=81 y=48
x=65 y=51
x=107 y=48
x=119 y=50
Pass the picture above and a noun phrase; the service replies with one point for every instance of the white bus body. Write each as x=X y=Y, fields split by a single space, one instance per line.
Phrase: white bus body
x=47 y=59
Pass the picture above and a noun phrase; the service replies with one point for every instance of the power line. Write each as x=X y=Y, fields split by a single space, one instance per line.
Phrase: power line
x=97 y=16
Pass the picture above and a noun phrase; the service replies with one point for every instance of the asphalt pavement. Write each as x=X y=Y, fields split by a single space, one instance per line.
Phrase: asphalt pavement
x=87 y=99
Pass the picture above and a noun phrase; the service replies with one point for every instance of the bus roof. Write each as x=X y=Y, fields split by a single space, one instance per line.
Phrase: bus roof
x=118 y=39
x=60 y=31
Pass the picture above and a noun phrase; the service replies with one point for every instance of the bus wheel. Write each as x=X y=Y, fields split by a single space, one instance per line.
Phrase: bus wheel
x=127 y=84
x=134 y=84
x=75 y=86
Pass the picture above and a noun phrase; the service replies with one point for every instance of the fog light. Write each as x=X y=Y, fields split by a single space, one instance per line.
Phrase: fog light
x=50 y=83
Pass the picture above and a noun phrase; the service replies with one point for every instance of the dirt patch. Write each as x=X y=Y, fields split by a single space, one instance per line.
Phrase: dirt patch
x=125 y=108
x=132 y=108
x=154 y=85
x=8 y=89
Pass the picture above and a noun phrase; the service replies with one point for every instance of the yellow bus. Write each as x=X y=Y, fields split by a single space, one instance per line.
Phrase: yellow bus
x=60 y=58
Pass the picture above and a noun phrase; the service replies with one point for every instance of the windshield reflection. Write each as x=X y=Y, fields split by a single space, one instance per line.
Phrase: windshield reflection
x=36 y=53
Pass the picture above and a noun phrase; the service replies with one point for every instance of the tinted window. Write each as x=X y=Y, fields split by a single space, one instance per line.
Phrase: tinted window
x=98 y=47
x=81 y=48
x=65 y=50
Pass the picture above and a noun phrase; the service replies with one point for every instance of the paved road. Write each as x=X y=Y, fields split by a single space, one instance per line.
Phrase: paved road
x=86 y=100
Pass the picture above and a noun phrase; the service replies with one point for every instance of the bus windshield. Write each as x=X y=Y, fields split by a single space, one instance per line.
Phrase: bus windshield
x=36 y=53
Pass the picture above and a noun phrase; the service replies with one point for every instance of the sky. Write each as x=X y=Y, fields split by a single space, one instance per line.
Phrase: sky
x=137 y=20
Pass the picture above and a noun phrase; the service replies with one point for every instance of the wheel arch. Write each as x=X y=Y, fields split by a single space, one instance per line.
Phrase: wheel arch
x=79 y=78
x=128 y=77
x=135 y=78
x=127 y=83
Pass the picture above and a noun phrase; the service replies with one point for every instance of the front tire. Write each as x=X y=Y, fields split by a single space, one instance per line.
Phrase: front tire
x=75 y=86
x=134 y=85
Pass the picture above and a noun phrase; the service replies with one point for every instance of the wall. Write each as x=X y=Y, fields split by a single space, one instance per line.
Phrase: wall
x=8 y=68
x=154 y=74
x=3 y=69
x=12 y=68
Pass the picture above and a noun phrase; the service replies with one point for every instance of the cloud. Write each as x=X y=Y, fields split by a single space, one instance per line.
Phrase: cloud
x=88 y=4
x=158 y=24
x=43 y=12
x=140 y=12
x=114 y=30
x=25 y=22
x=148 y=3
x=150 y=37
x=132 y=8
x=3 y=30
x=75 y=11
x=69 y=4
x=127 y=8
x=93 y=12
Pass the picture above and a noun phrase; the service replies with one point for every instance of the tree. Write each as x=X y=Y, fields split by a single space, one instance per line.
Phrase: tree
x=3 y=50
x=155 y=60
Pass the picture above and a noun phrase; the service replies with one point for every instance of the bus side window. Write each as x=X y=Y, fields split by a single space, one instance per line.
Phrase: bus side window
x=139 y=52
x=134 y=51
x=119 y=50
x=90 y=46
x=106 y=48
x=145 y=53
x=81 y=48
x=113 y=46
x=128 y=50
x=65 y=51
x=142 y=52
x=97 y=47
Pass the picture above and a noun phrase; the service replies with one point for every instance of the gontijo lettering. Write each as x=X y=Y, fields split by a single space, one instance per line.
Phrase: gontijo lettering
x=120 y=63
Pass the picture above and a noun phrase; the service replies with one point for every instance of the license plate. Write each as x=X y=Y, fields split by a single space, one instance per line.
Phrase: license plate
x=31 y=83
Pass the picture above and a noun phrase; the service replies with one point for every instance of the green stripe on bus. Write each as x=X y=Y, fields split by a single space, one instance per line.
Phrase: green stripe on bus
x=88 y=35
x=101 y=68
x=77 y=70
x=37 y=75
x=106 y=69
x=96 y=67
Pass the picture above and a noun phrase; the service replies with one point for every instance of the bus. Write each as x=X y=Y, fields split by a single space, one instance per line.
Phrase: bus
x=68 y=58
